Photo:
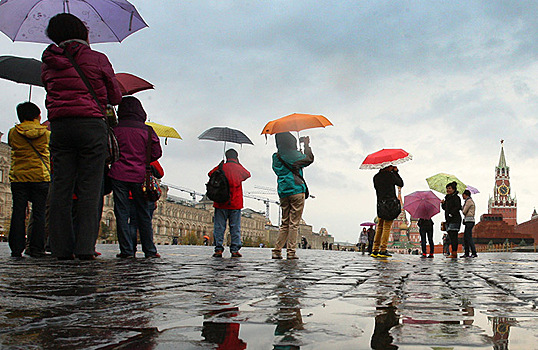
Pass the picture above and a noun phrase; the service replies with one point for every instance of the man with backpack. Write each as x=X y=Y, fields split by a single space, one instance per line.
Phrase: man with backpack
x=226 y=191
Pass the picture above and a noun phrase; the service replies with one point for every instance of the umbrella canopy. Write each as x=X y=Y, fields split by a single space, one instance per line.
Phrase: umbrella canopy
x=21 y=70
x=107 y=20
x=439 y=181
x=422 y=204
x=225 y=134
x=164 y=131
x=295 y=122
x=131 y=84
x=368 y=223
x=384 y=158
x=472 y=189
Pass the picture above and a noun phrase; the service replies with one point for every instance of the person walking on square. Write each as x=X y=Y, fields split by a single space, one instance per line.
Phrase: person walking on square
x=384 y=182
x=128 y=174
x=363 y=240
x=288 y=164
x=451 y=204
x=426 y=231
x=371 y=237
x=30 y=178
x=230 y=211
x=468 y=221
x=78 y=143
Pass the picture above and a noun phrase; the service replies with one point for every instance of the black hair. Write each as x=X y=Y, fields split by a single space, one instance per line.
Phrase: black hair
x=231 y=154
x=453 y=184
x=27 y=111
x=467 y=193
x=65 y=26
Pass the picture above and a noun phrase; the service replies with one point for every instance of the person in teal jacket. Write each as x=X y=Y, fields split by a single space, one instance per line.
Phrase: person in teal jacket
x=288 y=164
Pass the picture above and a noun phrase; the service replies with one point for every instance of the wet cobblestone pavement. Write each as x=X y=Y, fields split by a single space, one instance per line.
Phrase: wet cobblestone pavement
x=324 y=300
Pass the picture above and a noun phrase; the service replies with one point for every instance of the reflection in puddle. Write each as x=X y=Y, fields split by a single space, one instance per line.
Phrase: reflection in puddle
x=501 y=331
x=381 y=338
x=224 y=334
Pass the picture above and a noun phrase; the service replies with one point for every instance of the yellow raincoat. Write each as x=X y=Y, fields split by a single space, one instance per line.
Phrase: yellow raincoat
x=26 y=166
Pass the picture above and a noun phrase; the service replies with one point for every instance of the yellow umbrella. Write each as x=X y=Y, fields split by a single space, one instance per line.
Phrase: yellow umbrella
x=164 y=131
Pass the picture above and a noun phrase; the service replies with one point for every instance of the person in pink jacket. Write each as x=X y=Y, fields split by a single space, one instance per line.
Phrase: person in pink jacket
x=78 y=143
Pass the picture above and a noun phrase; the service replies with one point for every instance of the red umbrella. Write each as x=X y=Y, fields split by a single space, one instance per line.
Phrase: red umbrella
x=422 y=204
x=384 y=158
x=130 y=84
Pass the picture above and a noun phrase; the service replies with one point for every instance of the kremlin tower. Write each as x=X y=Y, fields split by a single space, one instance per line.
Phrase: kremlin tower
x=502 y=201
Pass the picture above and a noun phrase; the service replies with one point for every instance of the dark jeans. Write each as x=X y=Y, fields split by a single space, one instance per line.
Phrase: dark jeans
x=142 y=213
x=453 y=240
x=22 y=193
x=424 y=232
x=133 y=225
x=468 y=244
x=78 y=147
x=233 y=216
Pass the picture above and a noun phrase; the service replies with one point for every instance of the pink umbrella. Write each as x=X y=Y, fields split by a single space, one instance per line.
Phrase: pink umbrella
x=422 y=204
x=472 y=189
x=368 y=223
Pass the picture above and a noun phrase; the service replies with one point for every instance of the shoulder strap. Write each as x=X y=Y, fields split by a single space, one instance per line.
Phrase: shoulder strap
x=86 y=82
x=37 y=152
x=295 y=172
x=148 y=148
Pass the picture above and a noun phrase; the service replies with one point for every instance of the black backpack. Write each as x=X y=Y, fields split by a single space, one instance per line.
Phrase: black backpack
x=218 y=188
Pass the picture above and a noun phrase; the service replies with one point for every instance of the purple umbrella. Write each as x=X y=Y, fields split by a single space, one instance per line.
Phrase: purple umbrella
x=472 y=189
x=422 y=204
x=107 y=20
x=367 y=223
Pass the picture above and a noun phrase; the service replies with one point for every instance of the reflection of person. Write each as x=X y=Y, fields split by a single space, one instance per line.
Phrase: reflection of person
x=363 y=240
x=288 y=164
x=426 y=230
x=371 y=237
x=452 y=206
x=225 y=335
x=384 y=182
x=30 y=178
x=78 y=143
x=128 y=174
x=230 y=211
x=468 y=220
x=381 y=338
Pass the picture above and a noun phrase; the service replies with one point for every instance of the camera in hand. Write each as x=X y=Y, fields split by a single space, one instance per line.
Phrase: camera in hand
x=301 y=139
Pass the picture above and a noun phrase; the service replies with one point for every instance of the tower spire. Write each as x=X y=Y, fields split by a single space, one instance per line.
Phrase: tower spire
x=502 y=159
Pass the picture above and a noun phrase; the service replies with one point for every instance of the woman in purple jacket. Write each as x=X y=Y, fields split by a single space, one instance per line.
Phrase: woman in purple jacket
x=78 y=142
x=128 y=175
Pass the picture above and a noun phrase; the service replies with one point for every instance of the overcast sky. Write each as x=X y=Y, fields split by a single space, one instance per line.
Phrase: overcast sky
x=444 y=80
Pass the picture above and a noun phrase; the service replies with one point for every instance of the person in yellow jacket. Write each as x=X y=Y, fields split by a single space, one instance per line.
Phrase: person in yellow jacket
x=30 y=179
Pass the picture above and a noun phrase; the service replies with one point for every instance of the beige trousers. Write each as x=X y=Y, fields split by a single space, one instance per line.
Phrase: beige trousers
x=382 y=235
x=292 y=210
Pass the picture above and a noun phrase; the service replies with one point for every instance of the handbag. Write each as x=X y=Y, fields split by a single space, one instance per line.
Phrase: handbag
x=296 y=173
x=150 y=186
x=109 y=115
x=443 y=226
x=389 y=209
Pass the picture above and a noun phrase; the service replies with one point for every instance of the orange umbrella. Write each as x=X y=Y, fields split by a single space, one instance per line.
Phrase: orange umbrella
x=295 y=122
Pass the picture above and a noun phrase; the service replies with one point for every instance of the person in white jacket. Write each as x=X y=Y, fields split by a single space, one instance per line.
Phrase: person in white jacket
x=468 y=220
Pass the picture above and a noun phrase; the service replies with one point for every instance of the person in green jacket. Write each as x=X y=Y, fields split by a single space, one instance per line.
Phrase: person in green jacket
x=288 y=164
x=30 y=178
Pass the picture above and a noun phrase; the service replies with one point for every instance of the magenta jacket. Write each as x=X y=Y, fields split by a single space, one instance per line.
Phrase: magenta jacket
x=67 y=95
x=132 y=135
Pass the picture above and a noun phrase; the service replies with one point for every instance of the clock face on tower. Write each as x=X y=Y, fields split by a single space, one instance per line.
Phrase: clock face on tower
x=503 y=190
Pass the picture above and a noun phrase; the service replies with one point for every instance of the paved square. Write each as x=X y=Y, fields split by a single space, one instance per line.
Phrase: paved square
x=324 y=300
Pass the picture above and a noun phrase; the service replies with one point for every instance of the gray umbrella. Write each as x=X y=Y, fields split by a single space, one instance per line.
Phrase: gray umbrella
x=21 y=70
x=225 y=134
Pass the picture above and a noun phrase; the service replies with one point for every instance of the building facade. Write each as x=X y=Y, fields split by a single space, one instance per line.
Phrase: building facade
x=502 y=202
x=5 y=190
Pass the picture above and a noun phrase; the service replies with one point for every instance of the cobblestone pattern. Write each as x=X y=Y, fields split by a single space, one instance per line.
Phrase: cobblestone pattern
x=324 y=300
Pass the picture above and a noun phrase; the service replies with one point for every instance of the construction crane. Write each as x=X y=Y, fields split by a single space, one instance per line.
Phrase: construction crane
x=265 y=200
x=193 y=193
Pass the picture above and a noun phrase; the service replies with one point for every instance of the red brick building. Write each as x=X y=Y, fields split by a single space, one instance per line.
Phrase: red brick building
x=529 y=227
x=502 y=203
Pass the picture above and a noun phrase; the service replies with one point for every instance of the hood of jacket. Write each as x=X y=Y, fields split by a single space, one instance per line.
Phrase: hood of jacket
x=131 y=108
x=285 y=143
x=31 y=129
x=54 y=57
